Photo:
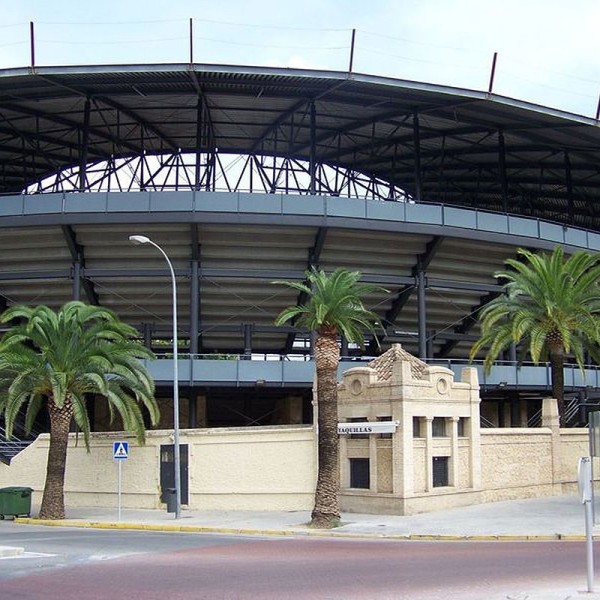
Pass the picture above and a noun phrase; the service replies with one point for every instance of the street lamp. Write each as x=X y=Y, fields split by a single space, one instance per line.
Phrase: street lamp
x=142 y=239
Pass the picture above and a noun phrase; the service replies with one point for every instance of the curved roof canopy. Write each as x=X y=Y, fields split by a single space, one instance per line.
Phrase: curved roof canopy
x=436 y=143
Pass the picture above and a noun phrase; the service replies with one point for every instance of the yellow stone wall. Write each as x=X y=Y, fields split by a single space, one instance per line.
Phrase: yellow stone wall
x=384 y=467
x=274 y=468
x=515 y=463
x=419 y=471
x=266 y=468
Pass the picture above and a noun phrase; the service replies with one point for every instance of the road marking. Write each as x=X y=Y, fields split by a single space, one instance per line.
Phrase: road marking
x=28 y=555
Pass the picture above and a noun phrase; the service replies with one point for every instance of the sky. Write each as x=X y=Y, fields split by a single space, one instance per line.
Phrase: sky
x=548 y=50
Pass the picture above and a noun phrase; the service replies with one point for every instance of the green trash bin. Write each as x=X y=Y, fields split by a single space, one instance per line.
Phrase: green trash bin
x=15 y=501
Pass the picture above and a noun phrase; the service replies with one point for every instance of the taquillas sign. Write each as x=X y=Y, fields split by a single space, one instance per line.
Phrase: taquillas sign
x=368 y=427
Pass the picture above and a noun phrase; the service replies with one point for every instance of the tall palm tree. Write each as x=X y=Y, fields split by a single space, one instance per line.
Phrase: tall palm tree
x=552 y=303
x=53 y=361
x=333 y=306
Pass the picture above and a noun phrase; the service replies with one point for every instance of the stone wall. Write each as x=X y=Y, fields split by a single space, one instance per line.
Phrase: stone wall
x=437 y=456
x=266 y=468
x=516 y=463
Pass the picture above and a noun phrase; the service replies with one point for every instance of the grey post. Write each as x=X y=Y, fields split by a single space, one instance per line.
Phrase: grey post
x=142 y=239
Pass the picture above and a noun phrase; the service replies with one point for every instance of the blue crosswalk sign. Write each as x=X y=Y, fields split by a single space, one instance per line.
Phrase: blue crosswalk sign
x=120 y=450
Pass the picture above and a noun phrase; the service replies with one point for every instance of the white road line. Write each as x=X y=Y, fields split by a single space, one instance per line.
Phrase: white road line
x=28 y=555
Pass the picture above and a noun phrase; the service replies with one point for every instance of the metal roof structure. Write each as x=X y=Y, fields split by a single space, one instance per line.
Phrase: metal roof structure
x=438 y=144
x=249 y=174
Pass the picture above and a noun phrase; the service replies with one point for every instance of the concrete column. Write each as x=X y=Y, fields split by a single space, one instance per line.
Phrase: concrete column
x=193 y=410
x=523 y=420
x=373 y=471
x=403 y=483
x=344 y=463
x=201 y=418
x=551 y=420
x=453 y=476
x=429 y=453
x=469 y=375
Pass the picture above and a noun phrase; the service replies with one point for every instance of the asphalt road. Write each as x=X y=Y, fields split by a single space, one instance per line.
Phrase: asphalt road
x=69 y=564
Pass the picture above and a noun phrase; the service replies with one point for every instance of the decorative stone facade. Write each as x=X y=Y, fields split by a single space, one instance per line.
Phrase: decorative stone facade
x=432 y=459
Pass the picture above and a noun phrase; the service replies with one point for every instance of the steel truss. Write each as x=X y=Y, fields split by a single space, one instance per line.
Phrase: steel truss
x=218 y=172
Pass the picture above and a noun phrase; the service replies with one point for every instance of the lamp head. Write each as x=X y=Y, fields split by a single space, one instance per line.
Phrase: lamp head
x=139 y=239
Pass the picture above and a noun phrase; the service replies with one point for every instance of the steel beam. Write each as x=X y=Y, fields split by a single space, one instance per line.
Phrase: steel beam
x=85 y=138
x=417 y=158
x=404 y=294
x=422 y=312
x=313 y=149
x=71 y=125
x=465 y=325
x=79 y=279
x=195 y=314
x=569 y=186
x=314 y=255
x=502 y=170
x=143 y=123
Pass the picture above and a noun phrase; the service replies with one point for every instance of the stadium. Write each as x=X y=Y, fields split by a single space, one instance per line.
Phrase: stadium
x=246 y=175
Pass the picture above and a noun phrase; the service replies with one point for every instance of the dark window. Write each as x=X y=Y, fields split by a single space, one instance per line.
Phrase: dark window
x=440 y=471
x=438 y=427
x=359 y=473
x=417 y=427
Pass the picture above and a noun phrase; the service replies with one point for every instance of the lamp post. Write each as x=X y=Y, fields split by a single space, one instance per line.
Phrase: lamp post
x=142 y=239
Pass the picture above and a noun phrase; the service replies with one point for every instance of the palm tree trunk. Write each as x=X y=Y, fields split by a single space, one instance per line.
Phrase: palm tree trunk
x=53 y=502
x=326 y=512
x=558 y=383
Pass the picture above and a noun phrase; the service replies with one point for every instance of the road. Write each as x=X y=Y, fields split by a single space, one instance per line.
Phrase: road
x=115 y=565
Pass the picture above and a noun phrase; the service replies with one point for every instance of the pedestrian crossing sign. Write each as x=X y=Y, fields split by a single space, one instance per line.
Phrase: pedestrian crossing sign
x=120 y=450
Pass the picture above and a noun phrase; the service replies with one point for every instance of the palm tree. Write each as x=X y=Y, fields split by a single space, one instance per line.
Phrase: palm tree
x=53 y=361
x=333 y=307
x=552 y=303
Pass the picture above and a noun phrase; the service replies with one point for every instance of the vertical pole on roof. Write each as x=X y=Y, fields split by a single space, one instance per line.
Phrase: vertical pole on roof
x=313 y=148
x=84 y=147
x=198 y=142
x=352 y=51
x=32 y=45
x=493 y=73
x=502 y=169
x=417 y=159
x=598 y=109
x=191 y=41
x=422 y=314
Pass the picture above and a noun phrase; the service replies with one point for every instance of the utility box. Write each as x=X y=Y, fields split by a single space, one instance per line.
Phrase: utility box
x=15 y=501
x=170 y=496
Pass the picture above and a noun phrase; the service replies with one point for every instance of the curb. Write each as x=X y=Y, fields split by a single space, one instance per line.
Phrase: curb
x=417 y=537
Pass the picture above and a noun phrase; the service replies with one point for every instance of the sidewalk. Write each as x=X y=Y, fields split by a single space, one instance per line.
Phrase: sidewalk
x=536 y=519
x=554 y=518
